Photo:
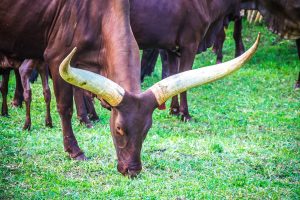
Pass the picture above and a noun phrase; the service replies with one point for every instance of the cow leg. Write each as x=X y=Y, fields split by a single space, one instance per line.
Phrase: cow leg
x=237 y=35
x=297 y=85
x=64 y=98
x=174 y=108
x=164 y=72
x=164 y=62
x=218 y=45
x=81 y=108
x=25 y=71
x=43 y=71
x=149 y=58
x=89 y=102
x=170 y=63
x=4 y=91
x=18 y=96
x=186 y=61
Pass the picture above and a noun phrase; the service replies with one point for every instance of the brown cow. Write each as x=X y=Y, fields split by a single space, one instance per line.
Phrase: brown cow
x=105 y=44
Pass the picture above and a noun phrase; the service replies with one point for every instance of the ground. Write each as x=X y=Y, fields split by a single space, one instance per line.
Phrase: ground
x=244 y=142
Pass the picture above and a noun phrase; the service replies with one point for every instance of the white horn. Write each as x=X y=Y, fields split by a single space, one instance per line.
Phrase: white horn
x=181 y=82
x=95 y=83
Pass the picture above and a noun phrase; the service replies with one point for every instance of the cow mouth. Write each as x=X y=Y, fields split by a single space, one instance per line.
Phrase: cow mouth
x=131 y=171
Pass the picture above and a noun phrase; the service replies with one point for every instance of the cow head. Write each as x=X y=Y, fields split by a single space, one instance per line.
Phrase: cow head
x=130 y=122
x=131 y=115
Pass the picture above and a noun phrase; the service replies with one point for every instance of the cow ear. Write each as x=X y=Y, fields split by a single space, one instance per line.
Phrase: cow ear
x=120 y=131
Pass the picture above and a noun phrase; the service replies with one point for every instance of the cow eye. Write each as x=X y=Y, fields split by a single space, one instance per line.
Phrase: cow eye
x=120 y=137
x=120 y=131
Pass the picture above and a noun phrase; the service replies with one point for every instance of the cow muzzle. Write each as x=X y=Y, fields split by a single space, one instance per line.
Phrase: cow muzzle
x=130 y=170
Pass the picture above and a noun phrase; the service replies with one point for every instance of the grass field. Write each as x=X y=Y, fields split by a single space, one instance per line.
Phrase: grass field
x=244 y=142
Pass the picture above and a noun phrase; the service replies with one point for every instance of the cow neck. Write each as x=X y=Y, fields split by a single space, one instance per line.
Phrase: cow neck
x=122 y=53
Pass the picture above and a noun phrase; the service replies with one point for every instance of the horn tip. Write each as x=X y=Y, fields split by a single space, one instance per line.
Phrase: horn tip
x=65 y=65
x=258 y=38
x=73 y=51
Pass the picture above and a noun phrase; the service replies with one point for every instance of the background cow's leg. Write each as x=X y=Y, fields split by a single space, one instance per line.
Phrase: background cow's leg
x=64 y=99
x=170 y=63
x=4 y=91
x=164 y=72
x=186 y=61
x=297 y=85
x=42 y=68
x=164 y=63
x=237 y=35
x=89 y=102
x=149 y=58
x=218 y=45
x=18 y=96
x=81 y=108
x=25 y=71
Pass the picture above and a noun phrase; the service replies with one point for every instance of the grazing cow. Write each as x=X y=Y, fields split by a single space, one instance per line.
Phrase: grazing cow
x=282 y=18
x=105 y=45
x=179 y=27
x=25 y=68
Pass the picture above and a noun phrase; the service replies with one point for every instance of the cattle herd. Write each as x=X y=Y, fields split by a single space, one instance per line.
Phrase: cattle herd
x=101 y=41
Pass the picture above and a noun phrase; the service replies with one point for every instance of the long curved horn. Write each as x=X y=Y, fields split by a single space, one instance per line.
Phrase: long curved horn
x=181 y=82
x=97 y=84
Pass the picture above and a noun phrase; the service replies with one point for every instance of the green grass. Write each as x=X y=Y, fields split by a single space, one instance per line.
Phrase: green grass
x=244 y=142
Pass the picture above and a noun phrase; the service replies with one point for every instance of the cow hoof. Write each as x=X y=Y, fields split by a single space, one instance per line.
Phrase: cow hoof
x=4 y=114
x=94 y=118
x=48 y=124
x=26 y=127
x=81 y=157
x=89 y=125
x=214 y=50
x=186 y=118
x=16 y=104
x=86 y=122
x=174 y=111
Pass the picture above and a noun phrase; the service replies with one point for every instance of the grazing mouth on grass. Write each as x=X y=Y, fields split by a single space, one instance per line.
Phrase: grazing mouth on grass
x=130 y=171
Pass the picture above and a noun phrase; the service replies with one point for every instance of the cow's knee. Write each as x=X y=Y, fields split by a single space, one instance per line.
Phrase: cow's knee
x=27 y=95
x=47 y=95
